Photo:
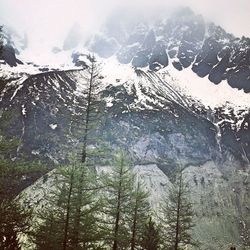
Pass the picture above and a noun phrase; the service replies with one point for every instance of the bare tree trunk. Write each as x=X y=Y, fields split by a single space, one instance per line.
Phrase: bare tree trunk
x=134 y=222
x=86 y=130
x=117 y=220
x=84 y=152
x=134 y=231
x=66 y=227
x=177 y=227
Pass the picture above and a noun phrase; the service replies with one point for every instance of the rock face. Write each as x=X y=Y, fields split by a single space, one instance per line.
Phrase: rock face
x=8 y=56
x=183 y=40
x=9 y=49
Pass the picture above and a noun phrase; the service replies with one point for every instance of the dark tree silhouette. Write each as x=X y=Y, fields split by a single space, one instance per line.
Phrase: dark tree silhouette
x=178 y=216
x=151 y=236
x=61 y=216
x=140 y=210
x=91 y=105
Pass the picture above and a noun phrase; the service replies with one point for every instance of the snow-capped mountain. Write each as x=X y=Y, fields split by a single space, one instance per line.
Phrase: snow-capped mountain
x=153 y=107
x=48 y=100
x=182 y=40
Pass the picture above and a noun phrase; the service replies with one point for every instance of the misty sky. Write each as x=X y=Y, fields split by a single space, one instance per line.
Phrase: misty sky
x=50 y=20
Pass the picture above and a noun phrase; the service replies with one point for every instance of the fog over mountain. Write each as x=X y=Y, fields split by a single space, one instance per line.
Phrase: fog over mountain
x=41 y=20
x=166 y=82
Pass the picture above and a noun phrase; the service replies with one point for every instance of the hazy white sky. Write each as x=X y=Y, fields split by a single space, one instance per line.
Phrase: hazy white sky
x=52 y=18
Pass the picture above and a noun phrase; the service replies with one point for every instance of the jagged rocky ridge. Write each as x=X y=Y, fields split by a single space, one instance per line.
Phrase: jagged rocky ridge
x=183 y=40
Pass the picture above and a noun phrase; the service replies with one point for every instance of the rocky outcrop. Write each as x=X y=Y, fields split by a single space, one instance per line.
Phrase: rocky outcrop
x=8 y=56
x=9 y=52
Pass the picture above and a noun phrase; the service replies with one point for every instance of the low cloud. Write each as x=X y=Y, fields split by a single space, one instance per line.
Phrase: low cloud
x=47 y=22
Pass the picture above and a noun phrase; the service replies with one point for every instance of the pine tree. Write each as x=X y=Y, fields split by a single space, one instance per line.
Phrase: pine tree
x=117 y=197
x=178 y=216
x=73 y=204
x=14 y=219
x=140 y=210
x=126 y=206
x=47 y=233
x=14 y=216
x=90 y=108
x=151 y=236
x=59 y=218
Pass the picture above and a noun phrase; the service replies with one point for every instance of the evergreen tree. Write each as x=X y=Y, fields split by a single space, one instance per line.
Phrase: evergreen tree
x=117 y=200
x=14 y=216
x=140 y=210
x=62 y=212
x=14 y=219
x=178 y=216
x=47 y=233
x=74 y=204
x=90 y=108
x=126 y=206
x=151 y=236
